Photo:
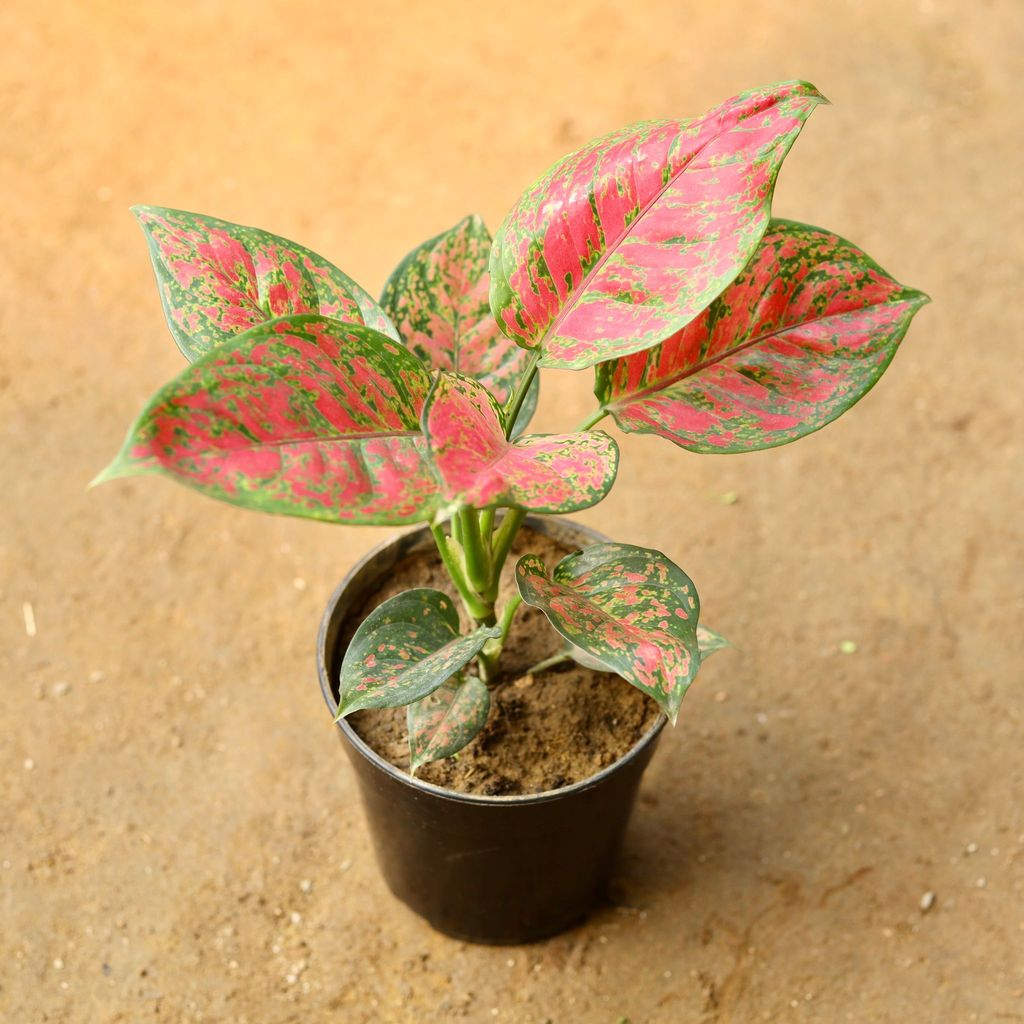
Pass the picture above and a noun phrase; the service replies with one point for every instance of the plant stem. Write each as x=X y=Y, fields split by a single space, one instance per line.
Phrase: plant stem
x=508 y=613
x=477 y=608
x=515 y=403
x=596 y=418
x=487 y=526
x=555 y=659
x=501 y=545
x=489 y=657
x=478 y=567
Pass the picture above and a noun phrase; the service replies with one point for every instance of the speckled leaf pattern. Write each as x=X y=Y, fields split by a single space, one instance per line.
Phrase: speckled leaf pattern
x=801 y=335
x=437 y=299
x=709 y=641
x=219 y=279
x=477 y=466
x=405 y=649
x=629 y=238
x=631 y=608
x=303 y=416
x=443 y=722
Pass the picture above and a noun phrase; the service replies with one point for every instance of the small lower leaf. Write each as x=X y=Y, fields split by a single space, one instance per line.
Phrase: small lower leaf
x=709 y=641
x=629 y=610
x=405 y=649
x=446 y=720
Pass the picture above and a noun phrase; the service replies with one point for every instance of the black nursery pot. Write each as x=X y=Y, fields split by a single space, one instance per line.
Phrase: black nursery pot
x=504 y=869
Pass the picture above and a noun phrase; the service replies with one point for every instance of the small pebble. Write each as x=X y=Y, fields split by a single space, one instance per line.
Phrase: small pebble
x=30 y=618
x=981 y=883
x=295 y=917
x=721 y=696
x=60 y=689
x=729 y=498
x=306 y=885
x=848 y=647
x=299 y=583
x=927 y=902
x=971 y=848
x=345 y=865
x=96 y=676
x=58 y=964
x=28 y=764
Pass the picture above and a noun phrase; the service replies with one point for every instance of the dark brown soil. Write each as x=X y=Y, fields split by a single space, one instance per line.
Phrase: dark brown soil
x=545 y=730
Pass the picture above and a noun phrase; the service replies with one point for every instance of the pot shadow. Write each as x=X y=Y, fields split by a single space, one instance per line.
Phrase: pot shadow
x=694 y=844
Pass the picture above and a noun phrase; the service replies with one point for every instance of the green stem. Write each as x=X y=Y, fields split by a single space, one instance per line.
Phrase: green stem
x=487 y=525
x=508 y=613
x=490 y=656
x=478 y=567
x=596 y=418
x=476 y=607
x=515 y=403
x=501 y=545
x=555 y=659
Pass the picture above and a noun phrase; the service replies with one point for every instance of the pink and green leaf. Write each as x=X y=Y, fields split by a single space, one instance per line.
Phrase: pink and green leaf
x=478 y=466
x=628 y=239
x=405 y=649
x=219 y=279
x=708 y=641
x=630 y=609
x=437 y=299
x=804 y=332
x=302 y=416
x=443 y=722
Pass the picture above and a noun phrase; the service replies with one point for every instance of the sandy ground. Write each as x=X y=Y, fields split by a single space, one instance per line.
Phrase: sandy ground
x=181 y=839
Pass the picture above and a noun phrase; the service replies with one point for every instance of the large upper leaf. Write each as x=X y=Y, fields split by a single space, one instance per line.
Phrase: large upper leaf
x=437 y=299
x=303 y=416
x=628 y=239
x=446 y=720
x=218 y=279
x=404 y=649
x=630 y=608
x=803 y=333
x=541 y=472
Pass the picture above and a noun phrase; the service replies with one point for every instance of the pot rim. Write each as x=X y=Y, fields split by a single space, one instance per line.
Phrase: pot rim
x=429 y=788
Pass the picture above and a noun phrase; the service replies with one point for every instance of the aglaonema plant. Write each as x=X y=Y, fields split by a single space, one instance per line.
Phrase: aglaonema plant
x=650 y=255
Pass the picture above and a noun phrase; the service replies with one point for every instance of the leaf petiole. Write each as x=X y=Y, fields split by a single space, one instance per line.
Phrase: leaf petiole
x=591 y=421
x=515 y=403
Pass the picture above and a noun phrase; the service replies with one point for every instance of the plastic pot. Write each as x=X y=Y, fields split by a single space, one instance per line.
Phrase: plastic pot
x=501 y=869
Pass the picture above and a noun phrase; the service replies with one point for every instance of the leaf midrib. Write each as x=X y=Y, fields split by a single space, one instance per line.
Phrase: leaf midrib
x=653 y=389
x=581 y=288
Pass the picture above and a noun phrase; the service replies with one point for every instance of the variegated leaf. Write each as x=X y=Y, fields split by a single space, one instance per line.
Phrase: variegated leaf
x=803 y=333
x=628 y=239
x=303 y=416
x=550 y=473
x=437 y=299
x=444 y=721
x=630 y=608
x=219 y=279
x=709 y=641
x=404 y=649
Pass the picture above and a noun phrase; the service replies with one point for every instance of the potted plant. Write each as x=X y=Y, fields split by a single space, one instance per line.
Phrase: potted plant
x=649 y=255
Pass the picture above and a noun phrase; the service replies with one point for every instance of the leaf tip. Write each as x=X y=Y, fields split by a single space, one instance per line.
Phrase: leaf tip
x=119 y=467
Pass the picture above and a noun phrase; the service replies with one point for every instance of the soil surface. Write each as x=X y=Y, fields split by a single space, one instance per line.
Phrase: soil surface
x=833 y=832
x=546 y=729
